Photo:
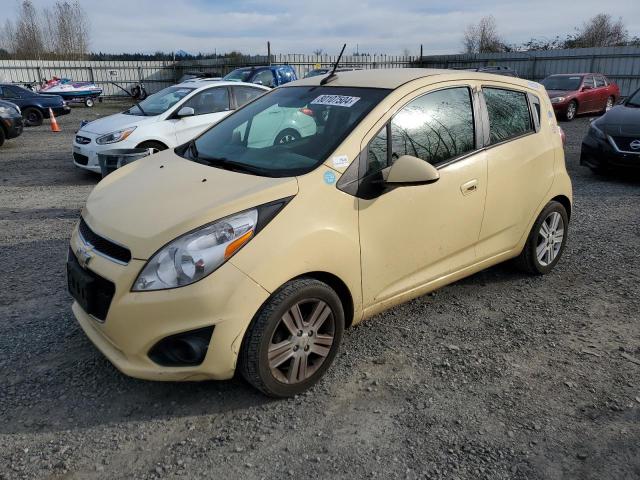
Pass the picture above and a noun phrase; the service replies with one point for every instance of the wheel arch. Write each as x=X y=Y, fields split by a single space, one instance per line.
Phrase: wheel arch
x=340 y=287
x=151 y=140
x=564 y=201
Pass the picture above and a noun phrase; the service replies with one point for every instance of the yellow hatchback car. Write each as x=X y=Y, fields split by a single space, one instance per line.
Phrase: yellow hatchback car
x=315 y=206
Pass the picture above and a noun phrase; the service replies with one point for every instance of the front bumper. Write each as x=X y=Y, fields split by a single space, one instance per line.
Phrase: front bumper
x=136 y=321
x=85 y=156
x=13 y=126
x=600 y=153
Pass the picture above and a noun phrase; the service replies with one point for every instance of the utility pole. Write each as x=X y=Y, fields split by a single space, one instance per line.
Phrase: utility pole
x=269 y=51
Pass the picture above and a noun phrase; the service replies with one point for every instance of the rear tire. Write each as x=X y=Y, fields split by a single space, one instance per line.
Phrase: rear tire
x=89 y=102
x=32 y=117
x=546 y=241
x=155 y=146
x=293 y=338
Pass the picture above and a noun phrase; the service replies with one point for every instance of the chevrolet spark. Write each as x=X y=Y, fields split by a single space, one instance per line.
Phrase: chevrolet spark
x=233 y=253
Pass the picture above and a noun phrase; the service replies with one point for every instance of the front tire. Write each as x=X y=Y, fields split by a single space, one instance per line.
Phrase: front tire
x=546 y=241
x=572 y=110
x=293 y=339
x=288 y=135
x=32 y=117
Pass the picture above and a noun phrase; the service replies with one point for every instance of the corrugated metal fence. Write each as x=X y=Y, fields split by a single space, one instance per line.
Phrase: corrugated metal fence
x=620 y=64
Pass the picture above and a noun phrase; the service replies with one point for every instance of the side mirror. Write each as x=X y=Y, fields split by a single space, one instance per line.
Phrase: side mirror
x=408 y=170
x=186 y=112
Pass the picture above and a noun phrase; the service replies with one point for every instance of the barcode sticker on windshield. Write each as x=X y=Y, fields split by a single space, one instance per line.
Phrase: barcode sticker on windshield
x=336 y=100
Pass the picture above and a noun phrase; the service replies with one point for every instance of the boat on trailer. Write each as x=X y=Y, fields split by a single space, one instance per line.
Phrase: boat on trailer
x=86 y=92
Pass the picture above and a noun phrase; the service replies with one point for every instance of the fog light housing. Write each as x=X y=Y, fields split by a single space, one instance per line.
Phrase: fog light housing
x=186 y=349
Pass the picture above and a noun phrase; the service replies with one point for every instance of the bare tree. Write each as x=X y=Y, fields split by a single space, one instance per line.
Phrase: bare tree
x=599 y=31
x=28 y=42
x=318 y=51
x=483 y=37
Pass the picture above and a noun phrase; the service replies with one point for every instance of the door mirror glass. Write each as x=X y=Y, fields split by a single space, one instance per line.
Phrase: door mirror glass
x=412 y=170
x=186 y=112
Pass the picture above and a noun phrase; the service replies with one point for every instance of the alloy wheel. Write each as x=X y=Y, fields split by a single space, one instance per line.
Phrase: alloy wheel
x=550 y=238
x=288 y=138
x=301 y=341
x=571 y=111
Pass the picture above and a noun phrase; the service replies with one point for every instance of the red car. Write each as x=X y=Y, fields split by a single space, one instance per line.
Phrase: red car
x=575 y=93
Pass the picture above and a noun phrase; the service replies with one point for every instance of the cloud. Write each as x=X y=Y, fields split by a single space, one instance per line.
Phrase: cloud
x=376 y=26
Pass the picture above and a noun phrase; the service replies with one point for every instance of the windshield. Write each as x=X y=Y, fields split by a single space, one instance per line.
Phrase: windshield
x=562 y=82
x=634 y=99
x=315 y=73
x=160 y=102
x=239 y=75
x=287 y=132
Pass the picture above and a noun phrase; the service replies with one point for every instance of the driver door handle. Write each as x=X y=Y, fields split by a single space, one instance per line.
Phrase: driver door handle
x=469 y=187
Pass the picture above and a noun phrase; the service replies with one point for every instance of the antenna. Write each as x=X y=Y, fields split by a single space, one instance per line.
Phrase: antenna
x=332 y=76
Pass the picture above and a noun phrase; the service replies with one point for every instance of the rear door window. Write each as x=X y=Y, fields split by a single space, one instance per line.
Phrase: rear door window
x=599 y=79
x=509 y=115
x=245 y=94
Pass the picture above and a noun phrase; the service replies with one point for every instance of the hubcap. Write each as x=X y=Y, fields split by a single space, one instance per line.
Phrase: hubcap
x=287 y=138
x=550 y=238
x=609 y=104
x=571 y=110
x=302 y=341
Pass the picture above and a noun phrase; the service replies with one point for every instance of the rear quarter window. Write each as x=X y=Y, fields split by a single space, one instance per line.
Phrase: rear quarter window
x=508 y=112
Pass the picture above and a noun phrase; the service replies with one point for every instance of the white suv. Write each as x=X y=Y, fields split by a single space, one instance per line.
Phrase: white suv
x=166 y=119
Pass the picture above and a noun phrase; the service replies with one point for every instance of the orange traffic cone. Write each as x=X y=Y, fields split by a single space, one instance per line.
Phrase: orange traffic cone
x=54 y=122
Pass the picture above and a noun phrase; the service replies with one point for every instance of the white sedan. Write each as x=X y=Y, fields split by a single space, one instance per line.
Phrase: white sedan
x=166 y=119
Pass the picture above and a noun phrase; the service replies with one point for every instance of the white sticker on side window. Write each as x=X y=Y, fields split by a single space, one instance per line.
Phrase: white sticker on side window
x=335 y=100
x=340 y=161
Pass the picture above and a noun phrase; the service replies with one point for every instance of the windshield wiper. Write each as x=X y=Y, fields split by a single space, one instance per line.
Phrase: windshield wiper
x=193 y=149
x=226 y=164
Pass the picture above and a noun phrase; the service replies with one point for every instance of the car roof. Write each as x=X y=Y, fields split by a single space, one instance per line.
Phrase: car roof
x=393 y=78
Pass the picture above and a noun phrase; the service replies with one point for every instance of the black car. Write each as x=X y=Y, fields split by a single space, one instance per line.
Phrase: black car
x=10 y=121
x=35 y=106
x=613 y=140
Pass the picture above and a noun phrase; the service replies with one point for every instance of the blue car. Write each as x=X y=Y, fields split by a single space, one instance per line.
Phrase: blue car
x=34 y=106
x=270 y=76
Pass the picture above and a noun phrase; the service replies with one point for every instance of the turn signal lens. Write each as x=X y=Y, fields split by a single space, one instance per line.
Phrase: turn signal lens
x=234 y=246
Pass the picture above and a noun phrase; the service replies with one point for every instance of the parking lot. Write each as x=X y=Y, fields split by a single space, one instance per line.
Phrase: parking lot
x=498 y=376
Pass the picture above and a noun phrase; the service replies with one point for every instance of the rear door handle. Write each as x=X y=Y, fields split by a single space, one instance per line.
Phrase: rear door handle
x=469 y=187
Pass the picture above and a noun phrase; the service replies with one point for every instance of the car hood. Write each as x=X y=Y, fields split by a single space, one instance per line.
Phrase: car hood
x=621 y=120
x=150 y=202
x=560 y=93
x=116 y=122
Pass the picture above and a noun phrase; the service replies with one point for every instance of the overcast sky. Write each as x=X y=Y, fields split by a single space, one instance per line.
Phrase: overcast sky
x=295 y=26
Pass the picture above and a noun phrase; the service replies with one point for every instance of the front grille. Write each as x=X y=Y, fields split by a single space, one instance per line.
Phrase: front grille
x=624 y=144
x=90 y=290
x=80 y=159
x=102 y=245
x=82 y=140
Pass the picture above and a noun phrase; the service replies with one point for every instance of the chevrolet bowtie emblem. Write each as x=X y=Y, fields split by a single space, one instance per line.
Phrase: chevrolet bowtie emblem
x=84 y=256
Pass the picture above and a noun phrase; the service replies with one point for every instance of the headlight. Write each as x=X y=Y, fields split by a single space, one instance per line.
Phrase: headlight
x=596 y=132
x=557 y=99
x=115 y=137
x=195 y=255
x=9 y=111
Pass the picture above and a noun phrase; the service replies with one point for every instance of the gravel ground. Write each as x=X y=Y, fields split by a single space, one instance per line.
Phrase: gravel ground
x=499 y=376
